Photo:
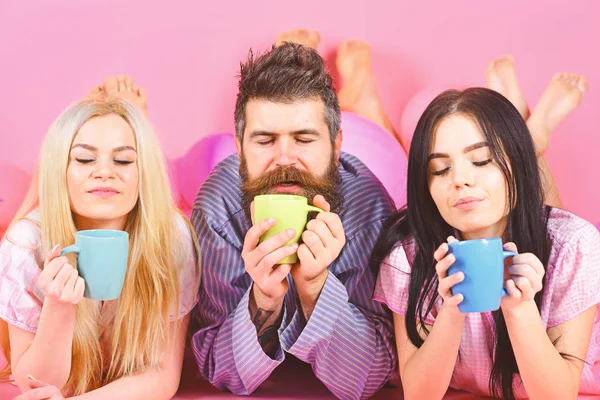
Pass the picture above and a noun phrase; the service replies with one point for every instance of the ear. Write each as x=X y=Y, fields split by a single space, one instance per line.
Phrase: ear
x=238 y=146
x=337 y=145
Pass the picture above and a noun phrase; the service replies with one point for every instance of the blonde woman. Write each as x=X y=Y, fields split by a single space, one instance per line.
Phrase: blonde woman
x=100 y=168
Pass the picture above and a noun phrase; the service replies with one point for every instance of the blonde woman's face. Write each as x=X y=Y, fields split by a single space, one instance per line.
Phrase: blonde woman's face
x=102 y=175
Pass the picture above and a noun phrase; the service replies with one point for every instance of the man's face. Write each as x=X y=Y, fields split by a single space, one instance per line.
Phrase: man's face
x=287 y=149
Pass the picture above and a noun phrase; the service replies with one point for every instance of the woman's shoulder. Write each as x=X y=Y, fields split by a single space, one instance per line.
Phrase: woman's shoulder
x=567 y=230
x=26 y=232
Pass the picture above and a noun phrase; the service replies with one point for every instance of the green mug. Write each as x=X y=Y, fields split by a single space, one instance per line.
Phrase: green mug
x=102 y=256
x=289 y=211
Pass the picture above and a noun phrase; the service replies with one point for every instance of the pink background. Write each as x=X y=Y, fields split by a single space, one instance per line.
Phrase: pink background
x=187 y=56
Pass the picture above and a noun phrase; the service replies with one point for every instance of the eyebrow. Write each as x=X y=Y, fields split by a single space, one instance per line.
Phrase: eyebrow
x=92 y=148
x=465 y=151
x=311 y=132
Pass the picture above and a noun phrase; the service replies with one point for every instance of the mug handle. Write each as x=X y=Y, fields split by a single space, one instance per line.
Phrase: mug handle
x=70 y=249
x=505 y=254
x=315 y=209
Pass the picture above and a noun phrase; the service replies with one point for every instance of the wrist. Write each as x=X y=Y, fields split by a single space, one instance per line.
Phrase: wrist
x=58 y=306
x=261 y=300
x=452 y=313
x=518 y=311
x=309 y=290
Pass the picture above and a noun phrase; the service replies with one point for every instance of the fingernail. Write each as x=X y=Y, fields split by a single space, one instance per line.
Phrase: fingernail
x=294 y=246
x=271 y=221
x=31 y=378
x=291 y=232
x=55 y=248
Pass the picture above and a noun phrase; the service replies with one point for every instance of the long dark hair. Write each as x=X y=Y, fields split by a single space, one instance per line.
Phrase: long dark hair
x=419 y=225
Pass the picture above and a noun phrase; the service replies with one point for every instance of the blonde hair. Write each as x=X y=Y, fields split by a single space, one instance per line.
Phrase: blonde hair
x=151 y=287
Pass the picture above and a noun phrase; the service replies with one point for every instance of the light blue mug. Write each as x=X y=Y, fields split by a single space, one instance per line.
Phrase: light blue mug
x=482 y=263
x=102 y=256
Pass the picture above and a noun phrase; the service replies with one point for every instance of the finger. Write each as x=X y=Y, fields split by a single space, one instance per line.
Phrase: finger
x=305 y=256
x=319 y=201
x=524 y=285
x=269 y=246
x=441 y=252
x=510 y=246
x=531 y=260
x=70 y=286
x=455 y=300
x=523 y=270
x=281 y=272
x=79 y=290
x=265 y=266
x=255 y=232
x=315 y=245
x=451 y=239
x=57 y=287
x=41 y=393
x=446 y=284
x=51 y=269
x=334 y=223
x=34 y=383
x=322 y=231
x=52 y=254
x=512 y=290
x=442 y=267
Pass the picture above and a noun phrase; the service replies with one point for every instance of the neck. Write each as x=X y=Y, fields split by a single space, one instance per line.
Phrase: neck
x=83 y=224
x=495 y=231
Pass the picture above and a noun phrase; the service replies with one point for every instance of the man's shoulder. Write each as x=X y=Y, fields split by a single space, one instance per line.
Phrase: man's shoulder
x=220 y=196
x=365 y=199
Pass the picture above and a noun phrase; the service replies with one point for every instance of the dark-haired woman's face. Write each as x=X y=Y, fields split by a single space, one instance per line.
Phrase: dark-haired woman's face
x=465 y=182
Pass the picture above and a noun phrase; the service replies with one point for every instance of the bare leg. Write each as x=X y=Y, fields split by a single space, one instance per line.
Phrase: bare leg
x=501 y=76
x=563 y=95
x=560 y=98
x=358 y=93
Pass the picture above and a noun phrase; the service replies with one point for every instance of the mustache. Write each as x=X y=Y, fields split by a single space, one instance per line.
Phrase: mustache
x=286 y=174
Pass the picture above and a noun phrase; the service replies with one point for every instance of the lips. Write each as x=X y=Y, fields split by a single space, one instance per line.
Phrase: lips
x=467 y=203
x=287 y=187
x=104 y=192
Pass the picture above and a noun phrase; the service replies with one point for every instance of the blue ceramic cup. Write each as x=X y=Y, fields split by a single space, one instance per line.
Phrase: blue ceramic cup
x=102 y=256
x=482 y=263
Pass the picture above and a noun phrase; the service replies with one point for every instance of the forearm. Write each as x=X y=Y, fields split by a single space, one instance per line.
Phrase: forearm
x=266 y=317
x=228 y=353
x=427 y=374
x=309 y=292
x=48 y=358
x=552 y=197
x=544 y=372
x=151 y=384
x=343 y=343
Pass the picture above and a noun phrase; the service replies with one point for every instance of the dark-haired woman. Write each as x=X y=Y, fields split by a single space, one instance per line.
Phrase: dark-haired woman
x=473 y=174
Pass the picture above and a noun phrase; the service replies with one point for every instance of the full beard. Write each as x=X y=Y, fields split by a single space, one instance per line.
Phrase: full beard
x=327 y=185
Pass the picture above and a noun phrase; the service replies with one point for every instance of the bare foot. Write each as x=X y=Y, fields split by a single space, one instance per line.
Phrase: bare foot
x=358 y=93
x=500 y=76
x=123 y=87
x=300 y=36
x=563 y=95
x=95 y=93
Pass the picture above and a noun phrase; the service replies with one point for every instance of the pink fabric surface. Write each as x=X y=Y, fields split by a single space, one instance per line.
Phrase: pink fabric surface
x=293 y=380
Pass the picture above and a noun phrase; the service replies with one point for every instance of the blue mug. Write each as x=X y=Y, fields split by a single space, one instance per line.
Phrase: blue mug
x=102 y=256
x=482 y=263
